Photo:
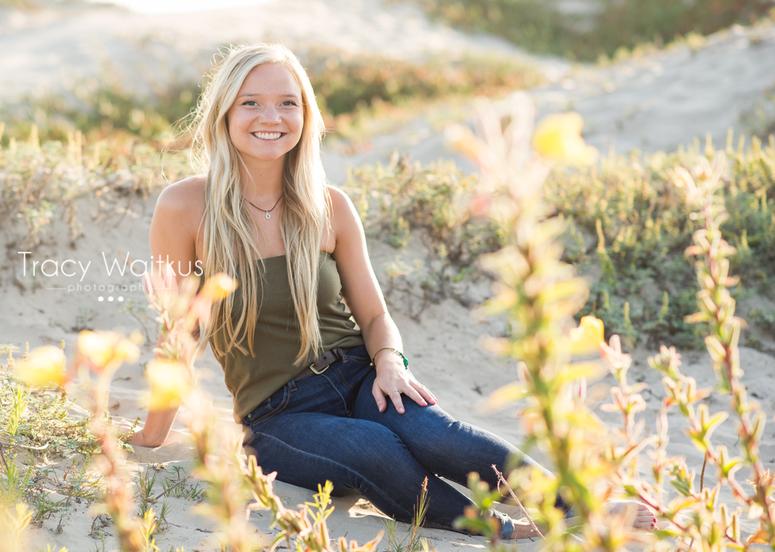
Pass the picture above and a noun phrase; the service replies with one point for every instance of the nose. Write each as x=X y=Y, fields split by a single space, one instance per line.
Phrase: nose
x=269 y=114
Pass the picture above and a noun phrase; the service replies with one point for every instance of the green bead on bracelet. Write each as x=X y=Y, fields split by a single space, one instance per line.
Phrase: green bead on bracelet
x=396 y=351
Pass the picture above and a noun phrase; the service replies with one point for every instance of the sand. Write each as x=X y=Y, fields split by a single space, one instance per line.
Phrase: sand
x=659 y=101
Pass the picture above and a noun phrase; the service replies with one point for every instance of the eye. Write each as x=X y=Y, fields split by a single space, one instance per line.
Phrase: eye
x=248 y=102
x=291 y=102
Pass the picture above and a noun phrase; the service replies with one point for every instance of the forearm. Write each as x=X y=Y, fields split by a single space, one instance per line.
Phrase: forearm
x=157 y=425
x=382 y=332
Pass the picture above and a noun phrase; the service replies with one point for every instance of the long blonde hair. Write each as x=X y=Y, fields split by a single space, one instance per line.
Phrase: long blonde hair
x=229 y=243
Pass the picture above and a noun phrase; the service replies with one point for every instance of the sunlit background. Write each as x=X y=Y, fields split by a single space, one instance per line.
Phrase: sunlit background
x=177 y=6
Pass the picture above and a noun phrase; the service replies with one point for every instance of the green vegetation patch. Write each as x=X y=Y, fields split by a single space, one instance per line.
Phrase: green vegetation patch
x=347 y=87
x=627 y=230
x=601 y=29
x=46 y=448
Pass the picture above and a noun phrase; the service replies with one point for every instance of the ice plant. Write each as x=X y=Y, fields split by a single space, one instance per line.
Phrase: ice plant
x=182 y=308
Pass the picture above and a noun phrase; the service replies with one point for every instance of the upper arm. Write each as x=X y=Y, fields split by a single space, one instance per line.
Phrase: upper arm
x=360 y=287
x=173 y=228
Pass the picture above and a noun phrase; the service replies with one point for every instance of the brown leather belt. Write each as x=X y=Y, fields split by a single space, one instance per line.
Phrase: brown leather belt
x=321 y=364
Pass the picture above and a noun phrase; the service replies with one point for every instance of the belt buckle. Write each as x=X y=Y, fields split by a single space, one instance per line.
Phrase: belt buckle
x=337 y=355
x=318 y=372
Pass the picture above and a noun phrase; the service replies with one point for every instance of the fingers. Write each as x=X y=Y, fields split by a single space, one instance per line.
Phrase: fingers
x=376 y=392
x=395 y=396
x=425 y=392
x=415 y=395
x=410 y=387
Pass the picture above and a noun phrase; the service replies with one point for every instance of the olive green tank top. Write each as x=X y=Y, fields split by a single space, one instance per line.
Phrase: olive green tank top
x=277 y=339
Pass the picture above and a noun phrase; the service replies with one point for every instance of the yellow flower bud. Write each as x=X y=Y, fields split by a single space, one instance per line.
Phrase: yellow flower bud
x=106 y=349
x=43 y=367
x=558 y=137
x=219 y=286
x=169 y=382
x=588 y=337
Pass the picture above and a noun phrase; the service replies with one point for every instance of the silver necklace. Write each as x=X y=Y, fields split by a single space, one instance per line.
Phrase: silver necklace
x=267 y=213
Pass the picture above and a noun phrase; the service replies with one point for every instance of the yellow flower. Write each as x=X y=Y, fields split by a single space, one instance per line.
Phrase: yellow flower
x=169 y=382
x=219 y=286
x=588 y=337
x=558 y=137
x=43 y=367
x=107 y=349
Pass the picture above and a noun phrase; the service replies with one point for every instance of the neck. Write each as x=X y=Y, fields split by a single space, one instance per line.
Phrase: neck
x=262 y=181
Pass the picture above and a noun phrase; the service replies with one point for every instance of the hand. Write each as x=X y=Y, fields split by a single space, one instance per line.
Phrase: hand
x=140 y=439
x=392 y=380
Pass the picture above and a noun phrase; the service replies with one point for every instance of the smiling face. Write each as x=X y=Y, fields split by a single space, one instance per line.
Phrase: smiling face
x=266 y=119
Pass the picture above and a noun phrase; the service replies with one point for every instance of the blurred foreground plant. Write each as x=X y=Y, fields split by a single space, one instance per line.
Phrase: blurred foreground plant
x=539 y=294
x=717 y=313
x=695 y=518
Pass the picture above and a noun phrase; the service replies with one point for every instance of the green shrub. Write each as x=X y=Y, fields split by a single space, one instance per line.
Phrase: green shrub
x=40 y=182
x=401 y=200
x=610 y=26
x=645 y=228
x=627 y=231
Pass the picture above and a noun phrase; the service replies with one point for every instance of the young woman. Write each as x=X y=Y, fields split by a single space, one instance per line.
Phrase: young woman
x=309 y=351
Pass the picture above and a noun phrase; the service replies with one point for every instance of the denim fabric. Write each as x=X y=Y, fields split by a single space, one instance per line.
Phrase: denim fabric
x=327 y=427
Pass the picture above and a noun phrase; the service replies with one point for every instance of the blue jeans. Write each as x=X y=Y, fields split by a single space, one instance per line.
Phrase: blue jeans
x=327 y=427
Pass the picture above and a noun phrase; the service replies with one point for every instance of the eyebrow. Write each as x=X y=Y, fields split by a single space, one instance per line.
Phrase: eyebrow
x=280 y=95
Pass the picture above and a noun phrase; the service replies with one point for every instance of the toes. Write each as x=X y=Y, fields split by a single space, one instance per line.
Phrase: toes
x=523 y=531
x=645 y=522
x=644 y=517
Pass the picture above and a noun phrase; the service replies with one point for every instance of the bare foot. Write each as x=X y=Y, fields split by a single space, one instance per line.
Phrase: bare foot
x=641 y=515
x=520 y=529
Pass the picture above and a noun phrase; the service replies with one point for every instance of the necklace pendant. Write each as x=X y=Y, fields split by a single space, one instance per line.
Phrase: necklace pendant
x=267 y=215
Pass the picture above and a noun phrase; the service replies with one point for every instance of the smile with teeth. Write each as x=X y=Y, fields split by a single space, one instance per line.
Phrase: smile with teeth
x=268 y=135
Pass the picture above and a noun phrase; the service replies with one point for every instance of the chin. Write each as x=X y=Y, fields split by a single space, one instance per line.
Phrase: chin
x=271 y=155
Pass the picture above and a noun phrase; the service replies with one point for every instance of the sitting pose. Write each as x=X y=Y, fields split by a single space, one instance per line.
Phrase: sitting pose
x=310 y=353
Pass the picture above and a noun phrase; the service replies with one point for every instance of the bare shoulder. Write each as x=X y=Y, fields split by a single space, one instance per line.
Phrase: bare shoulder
x=176 y=223
x=184 y=201
x=344 y=216
x=186 y=194
x=341 y=205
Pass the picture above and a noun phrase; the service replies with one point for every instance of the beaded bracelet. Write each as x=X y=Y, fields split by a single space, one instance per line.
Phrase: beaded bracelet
x=396 y=351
